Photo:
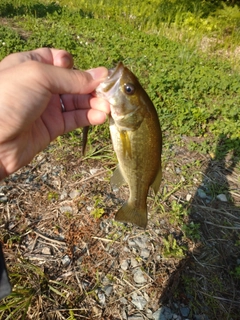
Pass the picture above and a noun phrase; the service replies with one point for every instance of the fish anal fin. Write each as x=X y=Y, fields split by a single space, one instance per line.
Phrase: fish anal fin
x=156 y=183
x=117 y=179
x=129 y=213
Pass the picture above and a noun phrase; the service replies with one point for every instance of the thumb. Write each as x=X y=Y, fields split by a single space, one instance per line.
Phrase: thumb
x=58 y=80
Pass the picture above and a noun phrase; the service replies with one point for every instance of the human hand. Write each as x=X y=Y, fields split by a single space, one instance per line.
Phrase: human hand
x=30 y=109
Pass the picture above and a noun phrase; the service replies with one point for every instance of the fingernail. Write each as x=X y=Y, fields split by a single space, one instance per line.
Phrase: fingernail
x=67 y=61
x=99 y=73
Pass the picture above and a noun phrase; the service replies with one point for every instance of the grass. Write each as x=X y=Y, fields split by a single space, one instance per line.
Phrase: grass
x=187 y=58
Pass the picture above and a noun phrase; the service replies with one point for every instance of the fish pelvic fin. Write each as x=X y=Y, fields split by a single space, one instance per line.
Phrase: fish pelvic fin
x=129 y=213
x=84 y=139
x=156 y=183
x=117 y=179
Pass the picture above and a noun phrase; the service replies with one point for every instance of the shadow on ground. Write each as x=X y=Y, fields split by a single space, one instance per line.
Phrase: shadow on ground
x=208 y=280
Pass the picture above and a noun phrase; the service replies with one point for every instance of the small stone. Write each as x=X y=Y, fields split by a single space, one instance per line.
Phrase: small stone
x=74 y=194
x=178 y=170
x=149 y=314
x=131 y=243
x=44 y=178
x=66 y=261
x=94 y=171
x=163 y=313
x=63 y=195
x=188 y=197
x=101 y=298
x=145 y=253
x=138 y=301
x=124 y=314
x=46 y=250
x=124 y=265
x=141 y=242
x=108 y=290
x=3 y=198
x=222 y=197
x=123 y=300
x=66 y=209
x=167 y=313
x=139 y=276
x=157 y=315
x=184 y=311
x=134 y=263
x=201 y=194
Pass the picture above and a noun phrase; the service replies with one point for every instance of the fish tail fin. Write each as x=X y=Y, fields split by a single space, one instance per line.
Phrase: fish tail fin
x=133 y=214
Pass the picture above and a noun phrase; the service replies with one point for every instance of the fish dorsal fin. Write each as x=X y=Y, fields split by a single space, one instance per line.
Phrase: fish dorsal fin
x=126 y=143
x=117 y=179
x=156 y=183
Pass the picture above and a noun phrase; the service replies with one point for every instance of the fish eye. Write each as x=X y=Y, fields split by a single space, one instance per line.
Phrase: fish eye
x=129 y=88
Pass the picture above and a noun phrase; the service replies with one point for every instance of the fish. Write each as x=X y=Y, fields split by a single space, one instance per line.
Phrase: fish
x=137 y=141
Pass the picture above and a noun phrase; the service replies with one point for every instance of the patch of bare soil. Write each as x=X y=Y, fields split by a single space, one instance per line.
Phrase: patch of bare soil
x=68 y=258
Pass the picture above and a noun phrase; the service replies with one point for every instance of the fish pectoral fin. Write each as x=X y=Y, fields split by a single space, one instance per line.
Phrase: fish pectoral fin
x=129 y=213
x=117 y=179
x=156 y=184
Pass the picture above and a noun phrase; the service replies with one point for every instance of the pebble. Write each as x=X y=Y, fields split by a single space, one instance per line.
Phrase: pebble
x=46 y=250
x=66 y=261
x=131 y=243
x=124 y=314
x=178 y=170
x=124 y=265
x=94 y=171
x=222 y=197
x=123 y=300
x=188 y=197
x=134 y=263
x=141 y=242
x=145 y=253
x=201 y=194
x=138 y=301
x=163 y=313
x=184 y=311
x=66 y=209
x=3 y=198
x=139 y=276
x=101 y=298
x=63 y=195
x=149 y=314
x=108 y=290
x=74 y=194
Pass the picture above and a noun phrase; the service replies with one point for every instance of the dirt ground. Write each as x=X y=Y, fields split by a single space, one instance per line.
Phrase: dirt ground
x=65 y=251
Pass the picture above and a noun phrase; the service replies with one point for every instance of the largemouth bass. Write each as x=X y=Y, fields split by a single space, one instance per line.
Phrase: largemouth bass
x=137 y=140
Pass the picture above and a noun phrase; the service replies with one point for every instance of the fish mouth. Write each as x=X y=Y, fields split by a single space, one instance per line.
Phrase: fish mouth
x=116 y=72
x=109 y=87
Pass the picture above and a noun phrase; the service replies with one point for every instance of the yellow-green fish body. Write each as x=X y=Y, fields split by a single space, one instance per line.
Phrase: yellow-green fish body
x=137 y=141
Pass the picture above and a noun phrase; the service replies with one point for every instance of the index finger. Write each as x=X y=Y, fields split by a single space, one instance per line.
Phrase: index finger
x=59 y=58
